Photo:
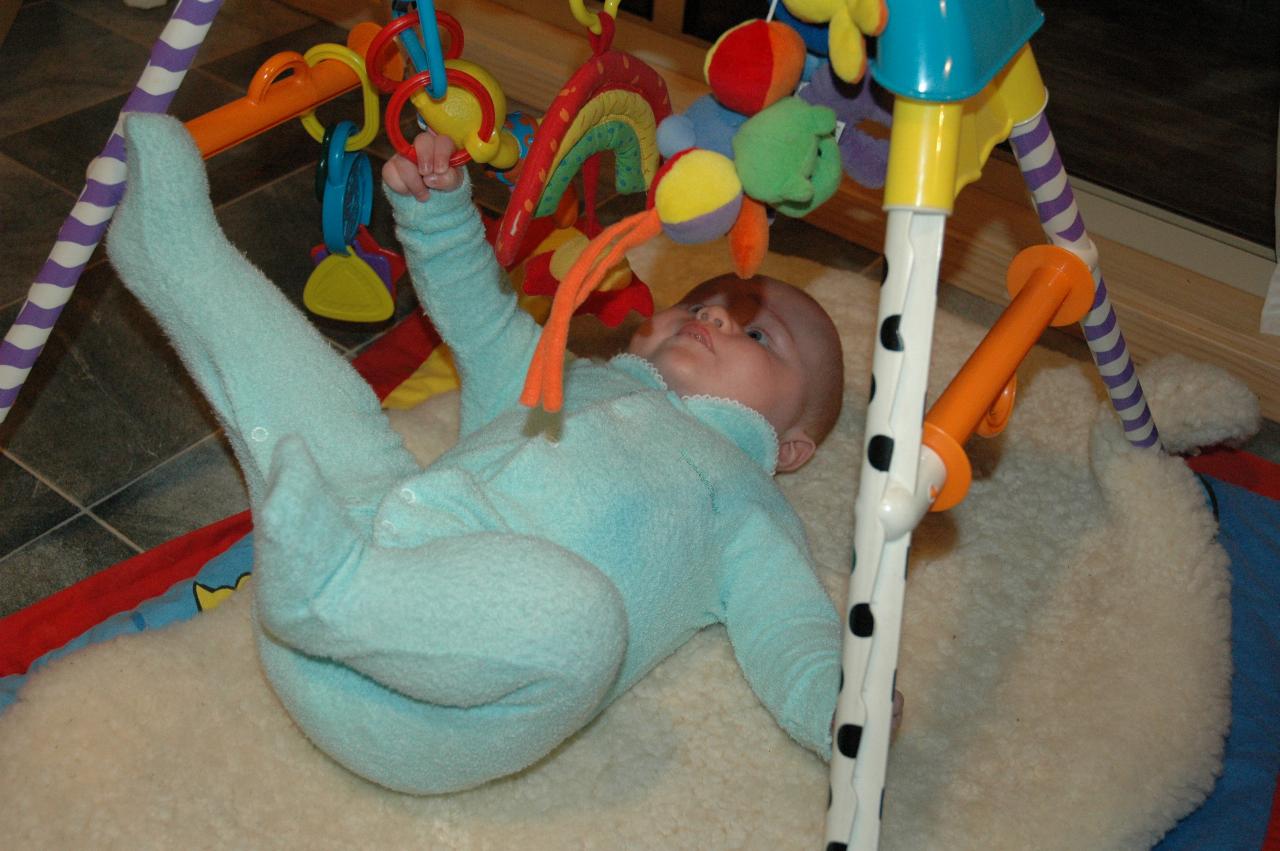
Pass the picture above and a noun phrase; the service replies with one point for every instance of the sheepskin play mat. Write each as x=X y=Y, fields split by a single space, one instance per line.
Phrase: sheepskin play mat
x=1066 y=664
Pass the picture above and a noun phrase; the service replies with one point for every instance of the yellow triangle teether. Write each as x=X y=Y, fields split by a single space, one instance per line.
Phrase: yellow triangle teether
x=346 y=288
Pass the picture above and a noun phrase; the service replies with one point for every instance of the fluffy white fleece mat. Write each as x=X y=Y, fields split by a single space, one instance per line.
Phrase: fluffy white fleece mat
x=1065 y=661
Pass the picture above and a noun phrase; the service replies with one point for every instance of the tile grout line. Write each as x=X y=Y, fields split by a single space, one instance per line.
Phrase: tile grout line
x=88 y=510
x=46 y=533
x=81 y=510
x=42 y=479
x=174 y=457
x=132 y=38
x=34 y=173
x=58 y=188
x=129 y=542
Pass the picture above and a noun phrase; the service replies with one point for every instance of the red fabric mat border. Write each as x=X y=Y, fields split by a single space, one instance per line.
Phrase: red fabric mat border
x=46 y=625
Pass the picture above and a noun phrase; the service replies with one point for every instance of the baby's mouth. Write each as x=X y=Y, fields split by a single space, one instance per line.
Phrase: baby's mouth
x=698 y=332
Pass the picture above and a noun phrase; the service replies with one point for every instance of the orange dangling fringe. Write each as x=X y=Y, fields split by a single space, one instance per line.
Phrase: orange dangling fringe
x=749 y=237
x=544 y=383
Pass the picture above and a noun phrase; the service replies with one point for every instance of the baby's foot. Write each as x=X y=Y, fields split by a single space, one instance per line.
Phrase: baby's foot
x=164 y=233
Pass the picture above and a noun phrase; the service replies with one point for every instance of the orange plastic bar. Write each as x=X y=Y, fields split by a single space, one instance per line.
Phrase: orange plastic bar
x=272 y=100
x=1050 y=286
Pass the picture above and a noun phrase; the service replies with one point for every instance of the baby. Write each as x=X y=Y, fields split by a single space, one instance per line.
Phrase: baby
x=433 y=629
x=760 y=342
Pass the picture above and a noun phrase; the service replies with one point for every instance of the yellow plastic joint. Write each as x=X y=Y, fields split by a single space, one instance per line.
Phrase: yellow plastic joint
x=923 y=151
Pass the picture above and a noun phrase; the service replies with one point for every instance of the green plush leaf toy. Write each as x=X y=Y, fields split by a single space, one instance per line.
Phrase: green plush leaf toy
x=787 y=156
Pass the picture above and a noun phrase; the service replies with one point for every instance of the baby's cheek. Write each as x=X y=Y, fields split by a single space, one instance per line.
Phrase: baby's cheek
x=642 y=339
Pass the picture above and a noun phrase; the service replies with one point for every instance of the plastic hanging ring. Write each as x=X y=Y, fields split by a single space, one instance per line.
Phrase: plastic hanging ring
x=335 y=151
x=486 y=133
x=322 y=165
x=355 y=62
x=424 y=51
x=269 y=71
x=348 y=192
x=587 y=19
x=419 y=50
x=451 y=26
x=378 y=46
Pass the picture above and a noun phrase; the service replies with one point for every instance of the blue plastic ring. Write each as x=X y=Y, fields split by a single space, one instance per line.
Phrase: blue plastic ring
x=426 y=55
x=348 y=191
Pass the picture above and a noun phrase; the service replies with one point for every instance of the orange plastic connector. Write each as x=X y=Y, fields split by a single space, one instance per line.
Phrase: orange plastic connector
x=1050 y=286
x=274 y=98
x=997 y=416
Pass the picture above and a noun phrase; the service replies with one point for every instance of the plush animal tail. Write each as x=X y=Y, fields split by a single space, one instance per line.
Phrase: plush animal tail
x=544 y=383
x=749 y=237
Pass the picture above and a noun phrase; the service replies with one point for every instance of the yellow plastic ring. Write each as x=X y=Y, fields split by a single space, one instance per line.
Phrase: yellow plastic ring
x=588 y=19
x=372 y=110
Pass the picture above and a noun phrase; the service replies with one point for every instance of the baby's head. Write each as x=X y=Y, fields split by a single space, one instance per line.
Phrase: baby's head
x=760 y=342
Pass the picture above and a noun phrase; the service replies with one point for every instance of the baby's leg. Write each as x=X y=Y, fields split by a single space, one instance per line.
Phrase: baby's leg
x=435 y=668
x=261 y=365
x=410 y=745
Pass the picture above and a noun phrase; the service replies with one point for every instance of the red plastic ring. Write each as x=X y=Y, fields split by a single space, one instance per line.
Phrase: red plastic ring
x=378 y=46
x=451 y=25
x=420 y=81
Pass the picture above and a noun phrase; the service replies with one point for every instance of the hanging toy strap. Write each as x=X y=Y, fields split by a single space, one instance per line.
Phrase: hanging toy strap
x=600 y=42
x=596 y=23
x=544 y=383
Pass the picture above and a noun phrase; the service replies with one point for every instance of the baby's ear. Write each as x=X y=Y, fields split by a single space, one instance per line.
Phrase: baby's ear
x=794 y=449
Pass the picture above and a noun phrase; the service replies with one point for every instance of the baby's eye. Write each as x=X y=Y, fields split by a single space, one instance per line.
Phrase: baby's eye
x=695 y=309
x=758 y=335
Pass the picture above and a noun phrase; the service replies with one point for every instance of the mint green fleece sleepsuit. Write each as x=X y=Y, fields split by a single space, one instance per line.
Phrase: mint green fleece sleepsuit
x=432 y=629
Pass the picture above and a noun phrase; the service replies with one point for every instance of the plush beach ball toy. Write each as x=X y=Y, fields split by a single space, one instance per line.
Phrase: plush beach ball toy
x=754 y=64
x=698 y=196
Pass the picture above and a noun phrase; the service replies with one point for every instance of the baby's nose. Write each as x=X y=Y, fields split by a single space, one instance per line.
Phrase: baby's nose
x=717 y=316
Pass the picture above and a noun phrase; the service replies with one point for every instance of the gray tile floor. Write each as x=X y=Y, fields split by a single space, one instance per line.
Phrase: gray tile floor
x=110 y=450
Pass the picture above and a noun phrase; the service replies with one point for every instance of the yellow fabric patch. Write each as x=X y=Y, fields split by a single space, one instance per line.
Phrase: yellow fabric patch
x=699 y=182
x=435 y=375
x=616 y=105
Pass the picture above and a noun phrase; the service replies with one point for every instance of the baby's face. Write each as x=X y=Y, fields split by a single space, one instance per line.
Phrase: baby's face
x=752 y=341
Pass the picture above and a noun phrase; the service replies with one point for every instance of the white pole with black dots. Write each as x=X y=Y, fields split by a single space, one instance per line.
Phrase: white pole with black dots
x=890 y=468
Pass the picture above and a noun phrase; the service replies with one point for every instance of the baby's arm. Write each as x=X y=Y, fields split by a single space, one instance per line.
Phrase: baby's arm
x=784 y=628
x=461 y=287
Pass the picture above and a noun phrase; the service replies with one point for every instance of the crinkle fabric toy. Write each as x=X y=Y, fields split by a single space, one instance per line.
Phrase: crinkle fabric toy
x=787 y=156
x=864 y=156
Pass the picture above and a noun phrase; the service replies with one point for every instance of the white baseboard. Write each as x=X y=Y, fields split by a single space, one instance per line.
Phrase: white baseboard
x=1175 y=239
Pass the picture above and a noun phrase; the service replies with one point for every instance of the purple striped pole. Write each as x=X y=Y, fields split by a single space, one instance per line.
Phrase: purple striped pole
x=85 y=226
x=1041 y=166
